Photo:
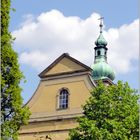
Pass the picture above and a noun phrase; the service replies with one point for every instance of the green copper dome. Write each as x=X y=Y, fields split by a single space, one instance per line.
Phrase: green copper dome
x=101 y=41
x=102 y=70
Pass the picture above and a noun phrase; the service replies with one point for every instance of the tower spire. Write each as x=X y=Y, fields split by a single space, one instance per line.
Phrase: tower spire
x=101 y=42
x=101 y=69
x=101 y=24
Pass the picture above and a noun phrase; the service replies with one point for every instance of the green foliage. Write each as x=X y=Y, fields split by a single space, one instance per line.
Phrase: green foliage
x=13 y=115
x=111 y=113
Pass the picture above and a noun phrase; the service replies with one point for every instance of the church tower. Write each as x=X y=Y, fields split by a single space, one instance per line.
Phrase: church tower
x=101 y=69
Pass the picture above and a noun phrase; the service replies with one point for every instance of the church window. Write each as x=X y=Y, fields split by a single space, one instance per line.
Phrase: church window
x=63 y=99
x=98 y=52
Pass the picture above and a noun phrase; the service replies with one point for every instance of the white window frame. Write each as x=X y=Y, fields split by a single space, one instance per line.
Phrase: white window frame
x=62 y=99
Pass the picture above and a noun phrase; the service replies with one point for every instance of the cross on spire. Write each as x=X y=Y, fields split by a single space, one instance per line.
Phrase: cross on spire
x=101 y=24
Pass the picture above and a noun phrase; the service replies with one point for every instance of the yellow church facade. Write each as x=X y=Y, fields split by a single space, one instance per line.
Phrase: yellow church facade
x=64 y=86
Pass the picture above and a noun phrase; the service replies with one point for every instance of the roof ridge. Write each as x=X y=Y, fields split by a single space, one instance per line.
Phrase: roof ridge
x=41 y=75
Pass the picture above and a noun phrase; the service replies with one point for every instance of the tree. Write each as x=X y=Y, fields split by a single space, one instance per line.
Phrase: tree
x=13 y=115
x=111 y=113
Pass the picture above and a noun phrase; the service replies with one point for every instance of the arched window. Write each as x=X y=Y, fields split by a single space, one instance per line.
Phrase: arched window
x=105 y=53
x=63 y=98
x=98 y=53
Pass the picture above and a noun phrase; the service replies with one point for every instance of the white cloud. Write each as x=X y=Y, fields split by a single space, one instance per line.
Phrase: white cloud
x=51 y=34
x=36 y=59
x=123 y=47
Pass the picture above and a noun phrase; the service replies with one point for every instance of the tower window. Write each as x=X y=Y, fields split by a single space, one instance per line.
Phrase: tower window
x=98 y=53
x=63 y=99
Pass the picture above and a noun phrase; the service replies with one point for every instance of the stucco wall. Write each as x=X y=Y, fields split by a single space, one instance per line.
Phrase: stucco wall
x=57 y=130
x=46 y=118
x=65 y=65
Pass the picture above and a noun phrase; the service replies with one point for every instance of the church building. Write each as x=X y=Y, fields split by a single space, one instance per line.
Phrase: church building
x=64 y=87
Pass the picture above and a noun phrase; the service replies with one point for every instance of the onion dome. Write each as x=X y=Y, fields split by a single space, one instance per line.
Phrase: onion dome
x=101 y=42
x=102 y=70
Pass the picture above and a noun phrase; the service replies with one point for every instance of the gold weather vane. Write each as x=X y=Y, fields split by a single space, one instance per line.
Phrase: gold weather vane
x=101 y=24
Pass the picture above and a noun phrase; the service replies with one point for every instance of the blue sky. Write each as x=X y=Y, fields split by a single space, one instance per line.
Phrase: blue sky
x=119 y=22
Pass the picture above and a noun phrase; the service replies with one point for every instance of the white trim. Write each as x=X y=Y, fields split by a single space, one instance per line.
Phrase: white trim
x=65 y=76
x=56 y=117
